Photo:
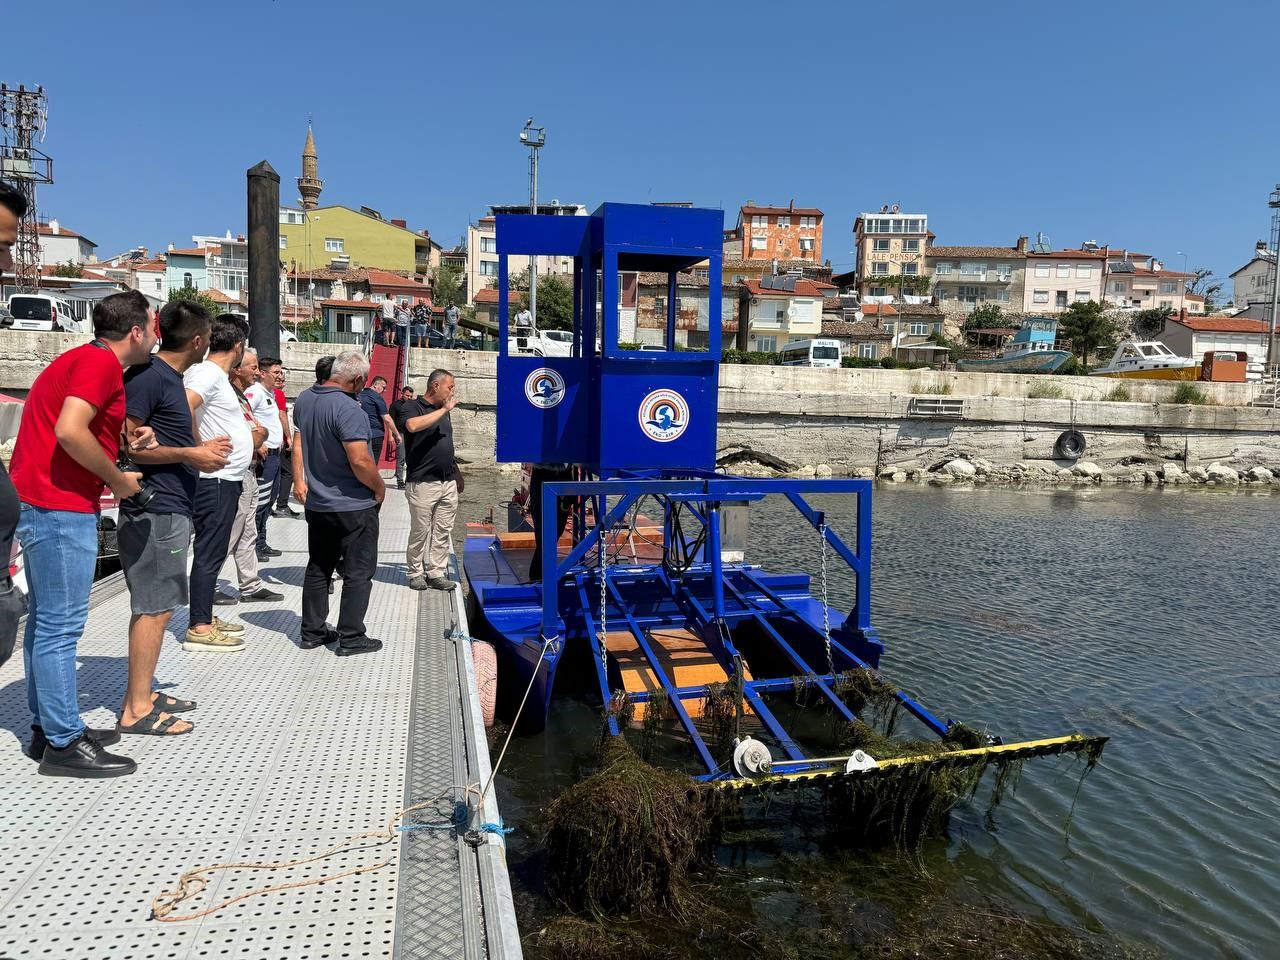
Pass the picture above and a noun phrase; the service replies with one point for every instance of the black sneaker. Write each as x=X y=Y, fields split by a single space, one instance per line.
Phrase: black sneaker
x=329 y=636
x=221 y=599
x=261 y=595
x=36 y=748
x=84 y=758
x=271 y=551
x=360 y=645
x=282 y=512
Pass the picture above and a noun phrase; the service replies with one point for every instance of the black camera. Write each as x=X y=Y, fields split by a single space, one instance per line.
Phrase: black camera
x=145 y=493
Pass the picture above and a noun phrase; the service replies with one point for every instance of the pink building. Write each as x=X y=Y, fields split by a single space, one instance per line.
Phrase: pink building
x=1056 y=280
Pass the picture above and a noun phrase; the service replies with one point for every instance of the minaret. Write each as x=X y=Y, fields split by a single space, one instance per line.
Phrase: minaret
x=309 y=184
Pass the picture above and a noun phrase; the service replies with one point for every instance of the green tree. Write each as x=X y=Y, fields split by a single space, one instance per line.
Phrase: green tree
x=1149 y=324
x=985 y=317
x=196 y=296
x=447 y=287
x=68 y=269
x=555 y=303
x=1087 y=327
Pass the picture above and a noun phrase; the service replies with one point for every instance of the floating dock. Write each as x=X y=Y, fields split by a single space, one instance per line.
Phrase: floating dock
x=294 y=751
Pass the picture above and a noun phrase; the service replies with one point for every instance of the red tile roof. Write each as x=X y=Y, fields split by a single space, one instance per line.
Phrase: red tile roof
x=487 y=295
x=1172 y=274
x=352 y=304
x=1222 y=324
x=384 y=278
x=85 y=273
x=1199 y=298
x=217 y=296
x=804 y=288
x=879 y=310
x=189 y=252
x=959 y=252
x=783 y=211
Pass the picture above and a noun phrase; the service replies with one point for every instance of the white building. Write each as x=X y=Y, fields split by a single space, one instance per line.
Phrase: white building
x=59 y=245
x=1192 y=336
x=482 y=247
x=779 y=310
x=1251 y=284
x=226 y=263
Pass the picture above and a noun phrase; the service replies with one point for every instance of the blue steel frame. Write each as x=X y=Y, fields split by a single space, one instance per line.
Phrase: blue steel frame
x=703 y=494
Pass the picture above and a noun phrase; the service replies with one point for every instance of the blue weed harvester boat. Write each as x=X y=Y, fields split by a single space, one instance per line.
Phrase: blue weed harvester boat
x=672 y=631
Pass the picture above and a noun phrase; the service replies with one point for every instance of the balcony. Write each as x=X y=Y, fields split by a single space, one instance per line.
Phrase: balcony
x=990 y=276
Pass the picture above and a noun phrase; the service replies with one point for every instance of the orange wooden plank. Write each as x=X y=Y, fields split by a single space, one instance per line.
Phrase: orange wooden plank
x=683 y=656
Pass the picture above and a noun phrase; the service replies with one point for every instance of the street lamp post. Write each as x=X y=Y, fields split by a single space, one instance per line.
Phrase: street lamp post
x=1274 y=203
x=533 y=138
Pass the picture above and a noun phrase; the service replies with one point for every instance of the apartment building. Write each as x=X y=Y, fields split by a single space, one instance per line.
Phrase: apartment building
x=1056 y=279
x=1138 y=281
x=965 y=277
x=776 y=233
x=889 y=246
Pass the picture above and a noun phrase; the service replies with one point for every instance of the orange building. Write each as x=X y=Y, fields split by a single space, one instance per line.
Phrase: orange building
x=776 y=233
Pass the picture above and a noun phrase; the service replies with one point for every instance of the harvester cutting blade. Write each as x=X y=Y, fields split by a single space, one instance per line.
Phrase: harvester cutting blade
x=818 y=769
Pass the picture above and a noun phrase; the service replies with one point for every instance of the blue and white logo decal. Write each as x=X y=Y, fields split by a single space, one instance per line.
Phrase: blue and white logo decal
x=664 y=415
x=544 y=388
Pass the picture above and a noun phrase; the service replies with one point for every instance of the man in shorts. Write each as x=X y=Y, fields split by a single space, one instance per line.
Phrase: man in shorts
x=154 y=532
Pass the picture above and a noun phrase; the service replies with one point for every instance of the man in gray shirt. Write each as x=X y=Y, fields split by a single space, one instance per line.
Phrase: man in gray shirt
x=335 y=478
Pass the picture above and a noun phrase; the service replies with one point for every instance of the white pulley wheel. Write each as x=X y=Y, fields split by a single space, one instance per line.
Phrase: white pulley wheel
x=860 y=761
x=751 y=758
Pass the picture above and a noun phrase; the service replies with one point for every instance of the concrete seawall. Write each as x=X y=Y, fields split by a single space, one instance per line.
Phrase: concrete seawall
x=852 y=420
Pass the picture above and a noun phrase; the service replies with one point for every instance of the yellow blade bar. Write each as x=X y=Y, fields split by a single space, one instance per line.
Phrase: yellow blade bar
x=1075 y=743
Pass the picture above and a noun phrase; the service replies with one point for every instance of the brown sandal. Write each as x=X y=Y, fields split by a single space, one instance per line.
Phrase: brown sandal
x=157 y=723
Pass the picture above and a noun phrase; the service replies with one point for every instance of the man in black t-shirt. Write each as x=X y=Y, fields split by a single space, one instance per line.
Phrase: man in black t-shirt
x=432 y=490
x=396 y=412
x=154 y=536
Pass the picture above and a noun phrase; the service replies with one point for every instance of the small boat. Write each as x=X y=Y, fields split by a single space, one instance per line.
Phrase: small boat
x=1148 y=360
x=1030 y=351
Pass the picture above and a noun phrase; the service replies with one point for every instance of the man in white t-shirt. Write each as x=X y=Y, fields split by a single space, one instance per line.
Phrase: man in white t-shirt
x=217 y=413
x=262 y=404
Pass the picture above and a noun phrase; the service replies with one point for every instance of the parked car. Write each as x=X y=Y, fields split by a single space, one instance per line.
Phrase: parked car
x=40 y=311
x=287 y=335
x=6 y=318
x=543 y=343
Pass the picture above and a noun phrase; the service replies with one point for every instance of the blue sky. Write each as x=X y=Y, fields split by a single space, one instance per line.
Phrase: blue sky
x=1136 y=124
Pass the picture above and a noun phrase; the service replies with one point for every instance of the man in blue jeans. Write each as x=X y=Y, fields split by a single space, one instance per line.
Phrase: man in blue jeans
x=66 y=450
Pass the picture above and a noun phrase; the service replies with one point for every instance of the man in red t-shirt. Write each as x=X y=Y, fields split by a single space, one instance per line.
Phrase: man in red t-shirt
x=66 y=451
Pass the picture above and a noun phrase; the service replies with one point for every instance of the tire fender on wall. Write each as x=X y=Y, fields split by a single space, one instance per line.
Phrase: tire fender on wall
x=1070 y=445
x=486 y=661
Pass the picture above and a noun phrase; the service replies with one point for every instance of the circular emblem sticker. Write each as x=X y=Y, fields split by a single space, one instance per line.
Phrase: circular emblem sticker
x=544 y=388
x=664 y=414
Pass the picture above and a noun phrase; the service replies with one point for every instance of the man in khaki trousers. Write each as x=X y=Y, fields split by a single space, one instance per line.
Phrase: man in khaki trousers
x=432 y=484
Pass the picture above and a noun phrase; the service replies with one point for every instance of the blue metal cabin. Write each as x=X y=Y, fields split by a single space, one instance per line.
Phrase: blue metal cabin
x=643 y=425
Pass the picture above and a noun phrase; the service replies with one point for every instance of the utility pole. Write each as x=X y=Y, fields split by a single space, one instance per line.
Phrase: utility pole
x=533 y=138
x=23 y=114
x=1274 y=204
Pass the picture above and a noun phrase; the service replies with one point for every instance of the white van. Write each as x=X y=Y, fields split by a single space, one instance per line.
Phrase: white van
x=40 y=311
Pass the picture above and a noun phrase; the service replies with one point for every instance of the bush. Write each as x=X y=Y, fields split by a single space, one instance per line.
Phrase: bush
x=1071 y=367
x=1118 y=394
x=1190 y=393
x=860 y=362
x=748 y=356
x=1046 y=391
x=889 y=363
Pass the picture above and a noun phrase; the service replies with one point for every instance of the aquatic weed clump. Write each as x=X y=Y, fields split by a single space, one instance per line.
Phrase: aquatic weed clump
x=720 y=715
x=625 y=839
x=868 y=694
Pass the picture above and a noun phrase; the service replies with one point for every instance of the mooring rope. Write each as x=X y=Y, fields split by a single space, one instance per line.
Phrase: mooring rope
x=194 y=882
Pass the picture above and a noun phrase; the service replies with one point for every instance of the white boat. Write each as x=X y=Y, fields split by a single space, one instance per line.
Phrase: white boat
x=1148 y=360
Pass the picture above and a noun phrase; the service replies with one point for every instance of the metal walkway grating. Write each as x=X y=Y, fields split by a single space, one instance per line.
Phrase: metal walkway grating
x=294 y=750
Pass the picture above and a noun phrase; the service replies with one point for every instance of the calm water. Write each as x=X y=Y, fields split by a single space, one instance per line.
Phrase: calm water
x=1152 y=617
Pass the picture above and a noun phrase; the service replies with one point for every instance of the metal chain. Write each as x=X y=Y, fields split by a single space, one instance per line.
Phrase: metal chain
x=604 y=627
x=826 y=610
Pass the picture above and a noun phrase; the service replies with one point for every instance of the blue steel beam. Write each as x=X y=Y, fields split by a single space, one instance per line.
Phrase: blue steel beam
x=797 y=661
x=913 y=707
x=661 y=675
